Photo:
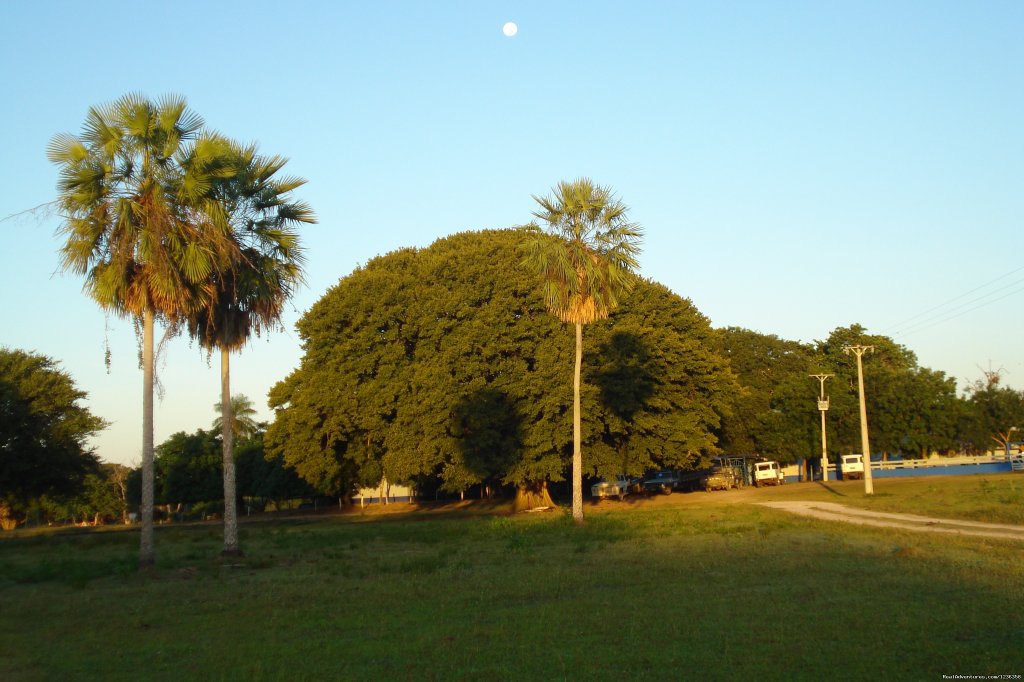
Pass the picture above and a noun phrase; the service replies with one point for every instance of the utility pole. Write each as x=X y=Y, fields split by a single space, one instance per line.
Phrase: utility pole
x=823 y=408
x=859 y=351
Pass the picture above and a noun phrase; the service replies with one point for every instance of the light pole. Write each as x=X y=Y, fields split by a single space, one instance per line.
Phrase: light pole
x=823 y=408
x=859 y=351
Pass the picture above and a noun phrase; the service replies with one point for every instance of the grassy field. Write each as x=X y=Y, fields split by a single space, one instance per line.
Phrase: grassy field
x=699 y=586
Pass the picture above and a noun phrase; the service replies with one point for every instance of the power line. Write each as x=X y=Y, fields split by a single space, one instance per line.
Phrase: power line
x=914 y=329
x=932 y=316
x=952 y=300
x=958 y=311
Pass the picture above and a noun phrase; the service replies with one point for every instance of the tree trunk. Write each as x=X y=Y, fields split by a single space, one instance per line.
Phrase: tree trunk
x=147 y=556
x=577 y=448
x=7 y=520
x=533 y=495
x=227 y=433
x=120 y=479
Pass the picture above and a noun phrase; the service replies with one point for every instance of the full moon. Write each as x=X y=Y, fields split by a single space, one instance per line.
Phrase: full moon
x=510 y=29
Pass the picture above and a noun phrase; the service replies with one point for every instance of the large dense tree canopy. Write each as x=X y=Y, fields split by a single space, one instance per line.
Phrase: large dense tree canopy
x=774 y=410
x=44 y=430
x=443 y=362
x=661 y=387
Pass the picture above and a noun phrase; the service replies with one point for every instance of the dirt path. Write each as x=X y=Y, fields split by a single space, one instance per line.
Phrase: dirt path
x=831 y=511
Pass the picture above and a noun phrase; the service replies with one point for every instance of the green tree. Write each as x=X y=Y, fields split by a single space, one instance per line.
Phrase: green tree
x=771 y=414
x=262 y=478
x=102 y=498
x=488 y=432
x=916 y=413
x=586 y=261
x=789 y=429
x=189 y=468
x=248 y=292
x=44 y=430
x=663 y=386
x=243 y=424
x=131 y=190
x=995 y=414
x=911 y=409
x=442 y=364
x=394 y=347
x=108 y=495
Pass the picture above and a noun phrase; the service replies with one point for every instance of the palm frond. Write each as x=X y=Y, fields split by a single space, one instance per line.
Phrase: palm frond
x=587 y=256
x=246 y=294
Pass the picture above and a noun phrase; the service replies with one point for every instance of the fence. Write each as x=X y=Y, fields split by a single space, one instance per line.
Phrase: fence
x=932 y=462
x=944 y=466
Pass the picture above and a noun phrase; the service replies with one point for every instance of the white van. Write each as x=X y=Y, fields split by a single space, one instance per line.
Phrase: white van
x=768 y=473
x=852 y=467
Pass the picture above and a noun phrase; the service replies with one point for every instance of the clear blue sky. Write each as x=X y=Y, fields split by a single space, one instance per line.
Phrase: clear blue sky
x=797 y=166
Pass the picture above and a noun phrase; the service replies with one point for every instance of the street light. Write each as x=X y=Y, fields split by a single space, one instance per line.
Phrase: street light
x=859 y=351
x=823 y=408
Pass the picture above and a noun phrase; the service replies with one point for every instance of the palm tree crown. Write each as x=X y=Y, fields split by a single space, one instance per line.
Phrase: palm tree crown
x=587 y=257
x=243 y=422
x=130 y=205
x=265 y=268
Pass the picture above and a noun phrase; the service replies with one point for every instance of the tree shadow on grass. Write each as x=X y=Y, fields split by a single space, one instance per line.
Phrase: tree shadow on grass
x=829 y=488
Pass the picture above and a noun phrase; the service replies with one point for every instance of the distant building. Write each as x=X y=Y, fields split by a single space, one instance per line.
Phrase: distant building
x=385 y=493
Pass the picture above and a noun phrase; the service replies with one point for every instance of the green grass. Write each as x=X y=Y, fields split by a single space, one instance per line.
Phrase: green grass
x=696 y=590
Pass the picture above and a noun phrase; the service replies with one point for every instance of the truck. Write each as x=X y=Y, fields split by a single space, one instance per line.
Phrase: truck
x=664 y=482
x=852 y=467
x=618 y=487
x=718 y=477
x=768 y=473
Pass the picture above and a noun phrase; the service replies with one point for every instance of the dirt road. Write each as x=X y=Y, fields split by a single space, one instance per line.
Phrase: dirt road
x=831 y=511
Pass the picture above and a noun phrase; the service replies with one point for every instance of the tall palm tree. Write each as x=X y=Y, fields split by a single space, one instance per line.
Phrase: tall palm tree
x=247 y=294
x=243 y=422
x=586 y=260
x=133 y=231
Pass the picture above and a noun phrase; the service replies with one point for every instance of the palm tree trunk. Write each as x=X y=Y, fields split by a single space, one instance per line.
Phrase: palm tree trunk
x=227 y=433
x=147 y=556
x=577 y=448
